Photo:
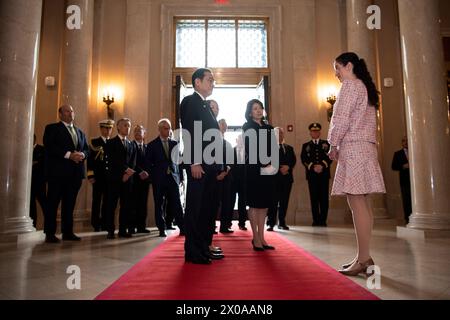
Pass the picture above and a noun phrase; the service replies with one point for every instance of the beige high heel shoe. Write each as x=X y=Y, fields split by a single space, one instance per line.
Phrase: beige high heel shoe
x=361 y=267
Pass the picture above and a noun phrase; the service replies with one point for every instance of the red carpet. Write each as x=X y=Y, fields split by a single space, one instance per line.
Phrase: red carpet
x=287 y=273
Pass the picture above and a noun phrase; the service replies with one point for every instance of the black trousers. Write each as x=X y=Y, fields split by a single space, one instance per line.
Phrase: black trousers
x=98 y=211
x=64 y=190
x=238 y=188
x=226 y=208
x=140 y=198
x=200 y=212
x=166 y=196
x=406 y=199
x=318 y=194
x=119 y=190
x=39 y=193
x=281 y=201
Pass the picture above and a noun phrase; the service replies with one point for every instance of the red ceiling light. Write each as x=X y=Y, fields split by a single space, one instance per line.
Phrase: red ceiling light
x=222 y=1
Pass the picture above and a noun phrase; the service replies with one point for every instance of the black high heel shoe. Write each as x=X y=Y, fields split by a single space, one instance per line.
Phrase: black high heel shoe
x=257 y=248
x=267 y=247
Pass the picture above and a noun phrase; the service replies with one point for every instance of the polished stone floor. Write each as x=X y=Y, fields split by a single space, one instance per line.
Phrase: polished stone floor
x=410 y=269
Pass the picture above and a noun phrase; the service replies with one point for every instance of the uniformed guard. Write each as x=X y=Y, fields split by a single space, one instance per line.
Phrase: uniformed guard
x=315 y=159
x=96 y=174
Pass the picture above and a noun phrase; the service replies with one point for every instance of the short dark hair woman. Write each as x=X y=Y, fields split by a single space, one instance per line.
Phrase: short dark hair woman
x=259 y=187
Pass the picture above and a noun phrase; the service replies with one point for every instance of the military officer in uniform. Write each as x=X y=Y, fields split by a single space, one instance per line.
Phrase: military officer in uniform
x=96 y=174
x=315 y=159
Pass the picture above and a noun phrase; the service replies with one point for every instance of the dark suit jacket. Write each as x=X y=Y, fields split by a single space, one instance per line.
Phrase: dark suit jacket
x=397 y=164
x=316 y=154
x=194 y=108
x=140 y=161
x=96 y=160
x=287 y=158
x=119 y=159
x=158 y=163
x=57 y=142
x=38 y=171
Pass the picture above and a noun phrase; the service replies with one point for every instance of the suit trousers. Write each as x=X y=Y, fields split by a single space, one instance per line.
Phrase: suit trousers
x=64 y=190
x=318 y=194
x=140 y=194
x=98 y=211
x=166 y=195
x=119 y=190
x=281 y=202
x=200 y=211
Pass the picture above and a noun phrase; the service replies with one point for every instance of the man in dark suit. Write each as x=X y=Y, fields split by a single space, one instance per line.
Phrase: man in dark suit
x=400 y=163
x=238 y=182
x=202 y=177
x=97 y=174
x=141 y=182
x=317 y=163
x=165 y=176
x=283 y=184
x=120 y=168
x=38 y=185
x=66 y=149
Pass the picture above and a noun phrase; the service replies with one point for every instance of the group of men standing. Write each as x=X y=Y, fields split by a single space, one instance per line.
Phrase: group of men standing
x=120 y=170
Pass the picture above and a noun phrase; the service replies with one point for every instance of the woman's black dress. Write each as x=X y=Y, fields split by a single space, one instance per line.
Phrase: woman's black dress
x=259 y=188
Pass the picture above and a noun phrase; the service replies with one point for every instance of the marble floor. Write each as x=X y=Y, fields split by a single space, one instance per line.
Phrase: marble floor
x=32 y=269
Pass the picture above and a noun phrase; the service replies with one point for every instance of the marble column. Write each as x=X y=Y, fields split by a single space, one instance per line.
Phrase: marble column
x=75 y=82
x=361 y=40
x=20 y=25
x=427 y=113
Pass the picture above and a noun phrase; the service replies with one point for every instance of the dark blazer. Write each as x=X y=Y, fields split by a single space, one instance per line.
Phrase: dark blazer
x=194 y=108
x=57 y=142
x=158 y=163
x=38 y=172
x=119 y=158
x=96 y=160
x=313 y=154
x=287 y=158
x=140 y=157
x=397 y=164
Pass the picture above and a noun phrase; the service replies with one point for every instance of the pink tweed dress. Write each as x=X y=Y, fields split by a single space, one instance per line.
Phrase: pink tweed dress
x=353 y=131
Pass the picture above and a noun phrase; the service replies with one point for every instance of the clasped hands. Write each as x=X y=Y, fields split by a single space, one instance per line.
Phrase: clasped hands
x=76 y=156
x=128 y=173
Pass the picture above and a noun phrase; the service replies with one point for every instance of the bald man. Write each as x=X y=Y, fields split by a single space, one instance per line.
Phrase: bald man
x=66 y=149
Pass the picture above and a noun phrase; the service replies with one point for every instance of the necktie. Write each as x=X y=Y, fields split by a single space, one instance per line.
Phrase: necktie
x=166 y=148
x=141 y=148
x=73 y=134
x=282 y=148
x=124 y=142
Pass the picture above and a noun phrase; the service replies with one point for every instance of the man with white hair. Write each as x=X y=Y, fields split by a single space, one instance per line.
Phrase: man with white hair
x=165 y=175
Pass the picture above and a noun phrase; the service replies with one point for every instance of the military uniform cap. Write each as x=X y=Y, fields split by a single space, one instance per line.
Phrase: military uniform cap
x=106 y=123
x=315 y=126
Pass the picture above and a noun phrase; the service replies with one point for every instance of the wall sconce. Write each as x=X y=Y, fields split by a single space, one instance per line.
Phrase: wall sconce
x=331 y=99
x=108 y=98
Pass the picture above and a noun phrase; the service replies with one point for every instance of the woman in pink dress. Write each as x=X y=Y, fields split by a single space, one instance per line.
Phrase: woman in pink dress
x=352 y=137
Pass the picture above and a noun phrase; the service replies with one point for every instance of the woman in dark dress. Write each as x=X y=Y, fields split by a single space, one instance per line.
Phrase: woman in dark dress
x=259 y=184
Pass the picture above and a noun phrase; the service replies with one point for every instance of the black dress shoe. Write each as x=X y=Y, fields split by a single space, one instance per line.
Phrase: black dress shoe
x=162 y=234
x=267 y=247
x=71 y=237
x=216 y=251
x=182 y=233
x=97 y=229
x=243 y=228
x=132 y=230
x=110 y=235
x=170 y=227
x=257 y=248
x=226 y=231
x=270 y=228
x=215 y=256
x=124 y=235
x=143 y=231
x=283 y=227
x=198 y=260
x=51 y=239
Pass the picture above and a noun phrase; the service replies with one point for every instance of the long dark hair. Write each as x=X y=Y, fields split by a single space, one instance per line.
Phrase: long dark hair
x=248 y=111
x=363 y=74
